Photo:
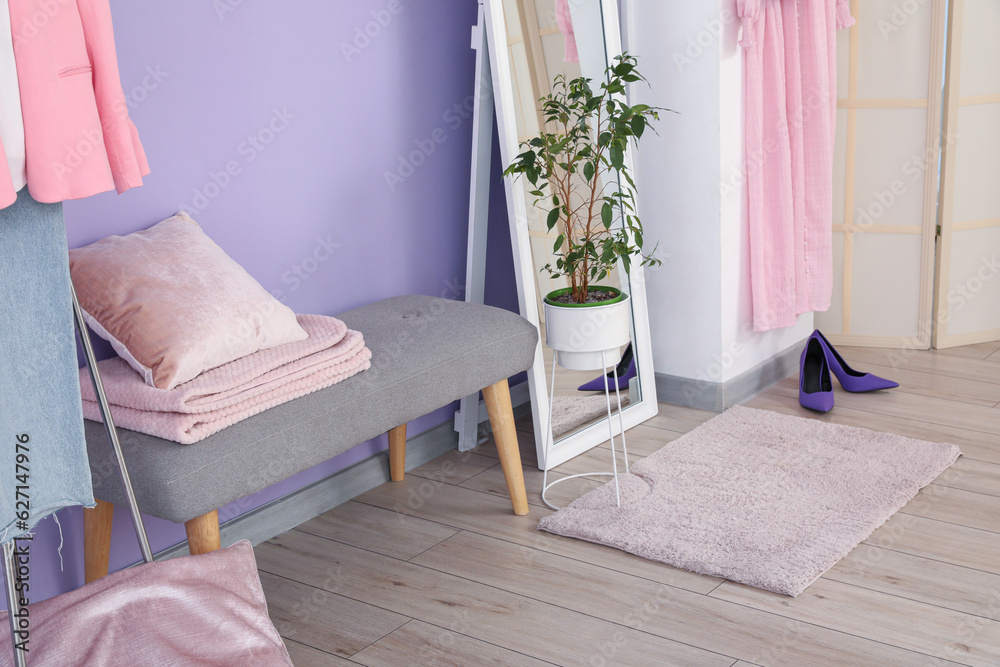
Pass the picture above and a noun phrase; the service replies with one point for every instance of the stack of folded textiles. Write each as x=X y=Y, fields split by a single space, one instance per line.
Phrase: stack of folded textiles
x=201 y=344
x=226 y=394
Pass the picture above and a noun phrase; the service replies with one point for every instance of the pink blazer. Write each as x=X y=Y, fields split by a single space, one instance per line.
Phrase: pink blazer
x=78 y=137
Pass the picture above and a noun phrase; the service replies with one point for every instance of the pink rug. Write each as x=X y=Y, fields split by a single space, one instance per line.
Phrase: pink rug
x=757 y=497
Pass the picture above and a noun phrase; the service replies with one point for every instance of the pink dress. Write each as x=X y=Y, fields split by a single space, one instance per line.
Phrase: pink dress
x=791 y=100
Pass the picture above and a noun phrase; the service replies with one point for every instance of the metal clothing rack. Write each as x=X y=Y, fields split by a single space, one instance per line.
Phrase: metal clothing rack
x=9 y=559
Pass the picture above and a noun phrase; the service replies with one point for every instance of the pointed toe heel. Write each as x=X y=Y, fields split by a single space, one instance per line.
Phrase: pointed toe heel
x=815 y=385
x=626 y=371
x=850 y=379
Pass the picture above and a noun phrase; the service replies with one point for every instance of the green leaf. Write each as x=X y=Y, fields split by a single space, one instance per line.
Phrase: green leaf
x=638 y=124
x=588 y=170
x=553 y=218
x=555 y=200
x=606 y=215
x=558 y=243
x=617 y=156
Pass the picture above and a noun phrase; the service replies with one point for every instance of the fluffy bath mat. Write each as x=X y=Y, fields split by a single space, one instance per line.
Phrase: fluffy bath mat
x=569 y=412
x=757 y=497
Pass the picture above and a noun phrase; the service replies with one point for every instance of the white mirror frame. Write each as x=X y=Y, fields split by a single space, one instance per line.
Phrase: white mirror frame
x=528 y=299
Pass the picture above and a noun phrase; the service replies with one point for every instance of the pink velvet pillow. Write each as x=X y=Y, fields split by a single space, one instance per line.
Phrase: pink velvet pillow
x=192 y=610
x=173 y=304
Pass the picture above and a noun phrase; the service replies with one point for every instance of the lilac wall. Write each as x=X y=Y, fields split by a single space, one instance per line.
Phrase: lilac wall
x=275 y=125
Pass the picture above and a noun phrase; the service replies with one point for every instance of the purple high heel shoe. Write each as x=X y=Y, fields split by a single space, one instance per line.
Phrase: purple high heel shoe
x=626 y=371
x=815 y=385
x=850 y=379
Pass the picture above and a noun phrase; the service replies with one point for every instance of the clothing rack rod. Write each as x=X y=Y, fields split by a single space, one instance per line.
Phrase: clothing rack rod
x=109 y=428
x=9 y=568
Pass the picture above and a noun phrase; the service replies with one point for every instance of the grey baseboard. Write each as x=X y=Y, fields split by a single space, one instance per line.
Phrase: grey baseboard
x=719 y=396
x=284 y=513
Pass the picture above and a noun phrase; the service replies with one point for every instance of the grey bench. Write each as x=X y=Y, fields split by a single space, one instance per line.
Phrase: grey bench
x=426 y=353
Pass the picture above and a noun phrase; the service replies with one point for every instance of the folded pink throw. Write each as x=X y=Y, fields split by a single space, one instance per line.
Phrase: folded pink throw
x=234 y=391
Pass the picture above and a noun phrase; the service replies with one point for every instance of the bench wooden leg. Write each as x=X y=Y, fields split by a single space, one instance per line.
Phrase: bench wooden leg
x=397 y=453
x=497 y=397
x=203 y=533
x=97 y=540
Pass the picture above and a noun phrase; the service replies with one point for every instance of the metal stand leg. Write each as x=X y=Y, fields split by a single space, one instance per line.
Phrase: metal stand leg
x=550 y=436
x=109 y=428
x=621 y=421
x=13 y=606
x=611 y=428
x=549 y=442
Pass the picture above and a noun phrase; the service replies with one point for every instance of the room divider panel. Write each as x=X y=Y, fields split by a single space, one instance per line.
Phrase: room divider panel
x=886 y=174
x=968 y=284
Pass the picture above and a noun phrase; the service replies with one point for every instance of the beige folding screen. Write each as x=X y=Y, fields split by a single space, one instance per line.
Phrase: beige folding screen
x=886 y=174
x=968 y=270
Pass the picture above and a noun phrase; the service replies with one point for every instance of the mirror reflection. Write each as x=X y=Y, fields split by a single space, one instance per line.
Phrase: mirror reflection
x=546 y=39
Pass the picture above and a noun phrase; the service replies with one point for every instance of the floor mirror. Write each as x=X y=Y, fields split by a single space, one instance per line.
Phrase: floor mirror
x=528 y=42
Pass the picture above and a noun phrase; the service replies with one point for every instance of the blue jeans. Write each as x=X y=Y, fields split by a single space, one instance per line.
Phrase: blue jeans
x=43 y=453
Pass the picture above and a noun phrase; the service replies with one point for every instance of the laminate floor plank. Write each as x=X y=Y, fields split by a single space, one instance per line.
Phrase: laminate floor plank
x=465 y=509
x=961 y=389
x=974 y=444
x=518 y=623
x=673 y=613
x=921 y=579
x=939 y=540
x=964 y=508
x=937 y=362
x=419 y=643
x=492 y=481
x=324 y=620
x=974 y=351
x=307 y=656
x=377 y=529
x=910 y=406
x=916 y=626
x=455 y=466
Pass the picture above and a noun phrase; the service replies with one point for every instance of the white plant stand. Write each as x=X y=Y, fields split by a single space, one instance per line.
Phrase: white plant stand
x=549 y=442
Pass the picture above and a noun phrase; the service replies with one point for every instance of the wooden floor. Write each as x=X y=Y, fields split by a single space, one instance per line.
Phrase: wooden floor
x=436 y=570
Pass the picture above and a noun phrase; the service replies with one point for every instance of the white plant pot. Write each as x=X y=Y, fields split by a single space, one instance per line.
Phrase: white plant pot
x=580 y=334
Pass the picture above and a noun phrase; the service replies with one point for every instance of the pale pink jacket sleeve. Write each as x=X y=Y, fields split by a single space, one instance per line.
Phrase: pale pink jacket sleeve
x=844 y=18
x=125 y=153
x=748 y=11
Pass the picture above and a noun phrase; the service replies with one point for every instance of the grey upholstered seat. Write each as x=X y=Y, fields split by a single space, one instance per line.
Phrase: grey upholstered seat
x=426 y=353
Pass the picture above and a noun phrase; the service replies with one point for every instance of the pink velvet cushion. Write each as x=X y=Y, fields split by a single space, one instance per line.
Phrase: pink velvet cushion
x=173 y=304
x=204 y=610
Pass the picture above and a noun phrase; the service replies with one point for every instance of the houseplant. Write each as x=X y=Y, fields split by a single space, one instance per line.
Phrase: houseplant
x=576 y=167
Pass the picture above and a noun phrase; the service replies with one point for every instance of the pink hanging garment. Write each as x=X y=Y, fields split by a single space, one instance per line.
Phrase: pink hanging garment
x=790 y=100
x=565 y=21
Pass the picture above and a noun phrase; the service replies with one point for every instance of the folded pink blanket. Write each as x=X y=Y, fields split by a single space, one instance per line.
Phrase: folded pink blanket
x=232 y=392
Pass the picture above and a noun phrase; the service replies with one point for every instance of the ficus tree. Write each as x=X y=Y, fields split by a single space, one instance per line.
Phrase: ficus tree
x=576 y=167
